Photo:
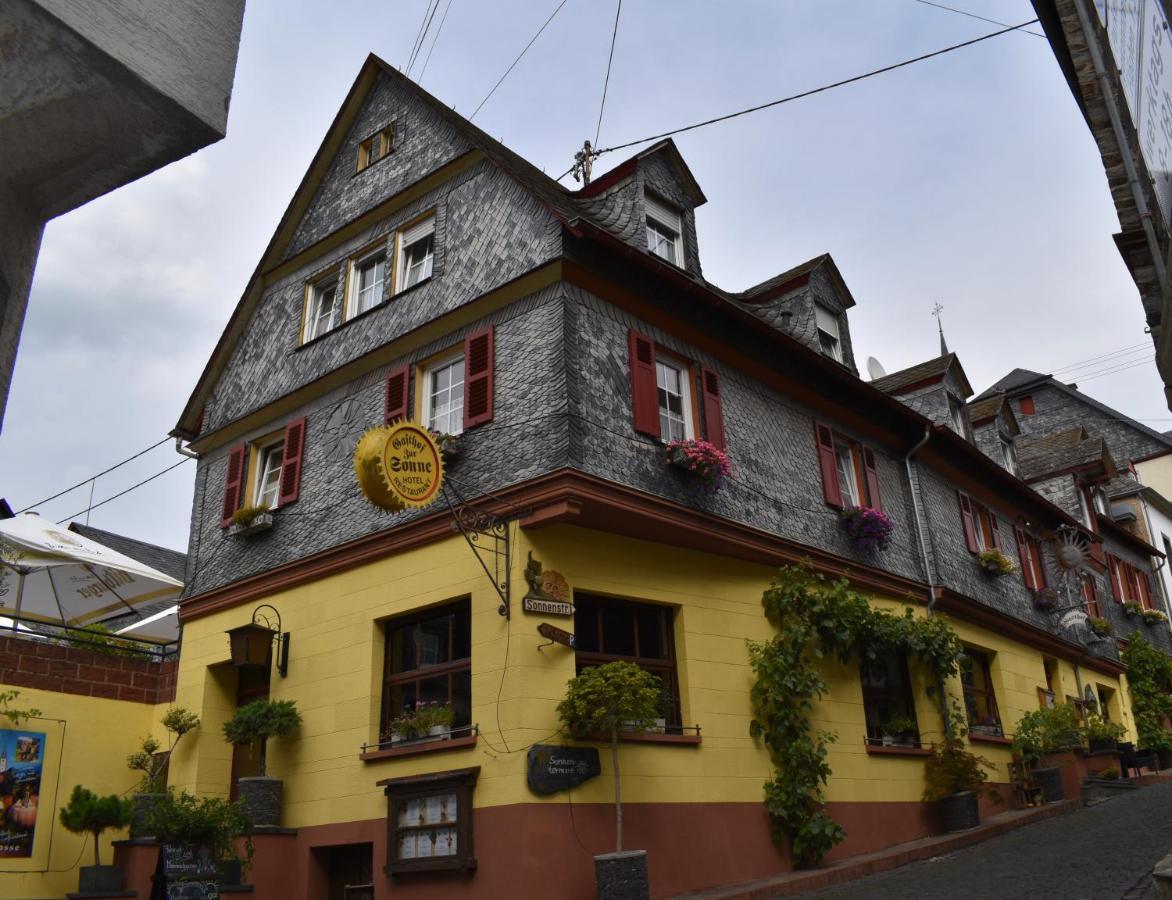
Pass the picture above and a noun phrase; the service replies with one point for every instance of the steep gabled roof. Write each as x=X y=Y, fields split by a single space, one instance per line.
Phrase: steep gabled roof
x=675 y=161
x=926 y=372
x=983 y=412
x=1014 y=381
x=1063 y=451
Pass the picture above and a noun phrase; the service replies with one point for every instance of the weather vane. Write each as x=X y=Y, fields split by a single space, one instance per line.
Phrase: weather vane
x=936 y=310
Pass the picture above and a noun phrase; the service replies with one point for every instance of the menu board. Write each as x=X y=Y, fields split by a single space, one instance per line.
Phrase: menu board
x=427 y=827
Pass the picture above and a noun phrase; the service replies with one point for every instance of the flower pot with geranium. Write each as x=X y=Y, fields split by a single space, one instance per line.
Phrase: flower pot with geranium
x=867 y=528
x=700 y=459
x=1045 y=599
x=434 y=719
x=1101 y=627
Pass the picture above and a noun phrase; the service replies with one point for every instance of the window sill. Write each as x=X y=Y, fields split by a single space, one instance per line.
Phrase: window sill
x=980 y=738
x=879 y=750
x=645 y=737
x=435 y=865
x=415 y=749
x=370 y=166
x=362 y=315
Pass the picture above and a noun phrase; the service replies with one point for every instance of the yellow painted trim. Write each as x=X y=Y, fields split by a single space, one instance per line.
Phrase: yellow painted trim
x=252 y=473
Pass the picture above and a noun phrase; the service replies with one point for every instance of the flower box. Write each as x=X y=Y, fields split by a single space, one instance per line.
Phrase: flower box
x=1101 y=627
x=1132 y=610
x=868 y=528
x=995 y=563
x=701 y=460
x=262 y=521
x=1153 y=617
x=1045 y=599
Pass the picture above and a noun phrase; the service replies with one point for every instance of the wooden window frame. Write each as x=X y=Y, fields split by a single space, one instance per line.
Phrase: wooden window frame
x=399 y=273
x=353 y=264
x=1089 y=590
x=902 y=695
x=688 y=391
x=427 y=372
x=670 y=665
x=989 y=694
x=386 y=145
x=261 y=451
x=461 y=782
x=313 y=286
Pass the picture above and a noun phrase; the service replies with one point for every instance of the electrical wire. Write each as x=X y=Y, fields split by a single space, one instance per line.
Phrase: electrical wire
x=133 y=487
x=434 y=40
x=428 y=15
x=99 y=475
x=962 y=12
x=804 y=94
x=518 y=59
x=1123 y=351
x=609 y=62
x=1117 y=369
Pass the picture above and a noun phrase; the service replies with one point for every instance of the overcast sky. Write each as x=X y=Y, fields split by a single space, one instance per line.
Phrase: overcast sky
x=969 y=179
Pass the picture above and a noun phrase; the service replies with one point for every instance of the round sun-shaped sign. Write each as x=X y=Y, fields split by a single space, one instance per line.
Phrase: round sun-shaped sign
x=399 y=466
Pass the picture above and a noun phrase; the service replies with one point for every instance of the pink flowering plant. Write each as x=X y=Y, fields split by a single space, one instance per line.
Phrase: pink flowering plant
x=700 y=458
x=868 y=528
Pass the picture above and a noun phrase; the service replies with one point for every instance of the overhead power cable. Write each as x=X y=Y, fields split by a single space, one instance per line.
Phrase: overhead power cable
x=809 y=93
x=434 y=40
x=609 y=62
x=133 y=487
x=99 y=475
x=1122 y=351
x=1115 y=369
x=962 y=12
x=428 y=15
x=513 y=64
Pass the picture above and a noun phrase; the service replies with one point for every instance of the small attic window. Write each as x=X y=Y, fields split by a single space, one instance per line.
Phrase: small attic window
x=829 y=338
x=664 y=231
x=375 y=147
x=956 y=415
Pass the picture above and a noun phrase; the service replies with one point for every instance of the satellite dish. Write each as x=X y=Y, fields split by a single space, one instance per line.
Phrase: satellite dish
x=875 y=368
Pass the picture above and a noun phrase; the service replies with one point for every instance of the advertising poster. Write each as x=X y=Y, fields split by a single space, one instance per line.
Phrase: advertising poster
x=22 y=756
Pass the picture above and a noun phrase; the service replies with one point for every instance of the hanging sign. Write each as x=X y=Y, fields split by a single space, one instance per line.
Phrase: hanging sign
x=555 y=634
x=399 y=466
x=22 y=756
x=552 y=768
x=548 y=594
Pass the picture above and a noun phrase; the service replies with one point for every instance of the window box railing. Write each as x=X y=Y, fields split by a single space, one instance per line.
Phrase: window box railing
x=456 y=737
x=669 y=734
x=886 y=747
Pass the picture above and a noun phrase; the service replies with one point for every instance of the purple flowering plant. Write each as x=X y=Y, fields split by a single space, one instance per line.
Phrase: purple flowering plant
x=701 y=459
x=868 y=528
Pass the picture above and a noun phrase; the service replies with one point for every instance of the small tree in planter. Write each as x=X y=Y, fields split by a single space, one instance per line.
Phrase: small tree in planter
x=151 y=763
x=253 y=724
x=209 y=826
x=868 y=529
x=953 y=778
x=607 y=699
x=701 y=459
x=1101 y=734
x=87 y=813
x=1042 y=732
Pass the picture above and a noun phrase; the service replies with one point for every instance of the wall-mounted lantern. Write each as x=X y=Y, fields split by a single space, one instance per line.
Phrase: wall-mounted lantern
x=252 y=644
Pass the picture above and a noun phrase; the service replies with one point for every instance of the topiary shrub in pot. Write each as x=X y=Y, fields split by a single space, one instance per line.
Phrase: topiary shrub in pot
x=1101 y=734
x=151 y=763
x=1042 y=732
x=87 y=813
x=609 y=699
x=953 y=779
x=252 y=725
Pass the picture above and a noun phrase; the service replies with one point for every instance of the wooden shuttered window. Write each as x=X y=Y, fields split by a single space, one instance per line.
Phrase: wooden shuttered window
x=1114 y=567
x=828 y=465
x=968 y=522
x=479 y=375
x=1033 y=573
x=871 y=475
x=1090 y=596
x=713 y=414
x=1144 y=580
x=644 y=392
x=291 y=462
x=234 y=483
x=396 y=403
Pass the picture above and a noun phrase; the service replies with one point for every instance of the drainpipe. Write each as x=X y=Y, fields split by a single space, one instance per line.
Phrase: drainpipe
x=184 y=451
x=1133 y=182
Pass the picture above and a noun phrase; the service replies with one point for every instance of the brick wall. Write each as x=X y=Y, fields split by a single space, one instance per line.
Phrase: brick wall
x=72 y=670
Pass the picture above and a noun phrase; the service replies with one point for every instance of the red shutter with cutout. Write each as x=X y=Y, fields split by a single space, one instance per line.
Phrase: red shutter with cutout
x=644 y=393
x=291 y=462
x=395 y=401
x=1023 y=555
x=479 y=373
x=1145 y=588
x=713 y=415
x=1116 y=579
x=872 y=477
x=233 y=484
x=831 y=490
x=968 y=522
x=995 y=530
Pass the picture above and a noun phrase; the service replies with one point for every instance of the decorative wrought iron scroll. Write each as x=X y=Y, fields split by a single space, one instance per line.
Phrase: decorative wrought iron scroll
x=488 y=536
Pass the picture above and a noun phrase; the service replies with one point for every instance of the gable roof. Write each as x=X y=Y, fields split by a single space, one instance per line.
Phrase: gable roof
x=928 y=371
x=1063 y=451
x=1014 y=381
x=675 y=161
x=169 y=562
x=986 y=411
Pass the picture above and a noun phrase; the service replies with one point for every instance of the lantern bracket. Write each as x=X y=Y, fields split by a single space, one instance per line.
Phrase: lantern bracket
x=281 y=637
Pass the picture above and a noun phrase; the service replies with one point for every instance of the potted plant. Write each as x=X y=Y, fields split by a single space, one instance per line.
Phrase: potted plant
x=867 y=528
x=700 y=459
x=900 y=731
x=253 y=724
x=996 y=563
x=204 y=828
x=1153 y=616
x=87 y=813
x=1132 y=610
x=251 y=519
x=953 y=779
x=1100 y=626
x=609 y=699
x=449 y=444
x=434 y=719
x=151 y=763
x=1101 y=734
x=1045 y=599
x=1041 y=733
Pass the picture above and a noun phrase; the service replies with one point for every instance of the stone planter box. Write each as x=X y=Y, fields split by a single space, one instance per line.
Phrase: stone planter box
x=260 y=798
x=959 y=812
x=622 y=876
x=99 y=880
x=259 y=523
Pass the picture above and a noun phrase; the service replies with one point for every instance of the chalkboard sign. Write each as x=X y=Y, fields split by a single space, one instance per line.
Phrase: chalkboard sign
x=188 y=862
x=552 y=768
x=193 y=890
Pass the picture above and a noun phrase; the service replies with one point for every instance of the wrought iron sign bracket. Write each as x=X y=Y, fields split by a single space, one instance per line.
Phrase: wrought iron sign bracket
x=487 y=534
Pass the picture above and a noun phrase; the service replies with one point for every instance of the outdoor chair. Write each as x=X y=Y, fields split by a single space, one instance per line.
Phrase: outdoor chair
x=1132 y=759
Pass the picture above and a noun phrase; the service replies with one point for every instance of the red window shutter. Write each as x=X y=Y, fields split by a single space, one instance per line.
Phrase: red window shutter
x=1116 y=579
x=1133 y=592
x=969 y=523
x=1090 y=595
x=395 y=402
x=291 y=462
x=644 y=392
x=831 y=490
x=1095 y=549
x=995 y=530
x=479 y=374
x=1026 y=405
x=233 y=484
x=1145 y=588
x=871 y=474
x=1023 y=555
x=1041 y=579
x=713 y=415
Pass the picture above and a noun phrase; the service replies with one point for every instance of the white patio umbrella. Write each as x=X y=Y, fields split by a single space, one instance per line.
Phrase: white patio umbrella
x=55 y=576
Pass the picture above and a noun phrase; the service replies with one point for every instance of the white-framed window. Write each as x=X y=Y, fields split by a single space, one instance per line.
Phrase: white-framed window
x=268 y=474
x=848 y=479
x=416 y=253
x=368 y=277
x=664 y=230
x=324 y=310
x=1009 y=455
x=675 y=400
x=443 y=395
x=829 y=340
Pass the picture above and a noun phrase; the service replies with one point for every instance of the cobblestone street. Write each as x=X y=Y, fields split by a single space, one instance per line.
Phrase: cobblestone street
x=1104 y=851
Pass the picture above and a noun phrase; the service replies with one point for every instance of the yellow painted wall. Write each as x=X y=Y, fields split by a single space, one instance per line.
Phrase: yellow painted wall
x=1157 y=473
x=87 y=740
x=335 y=671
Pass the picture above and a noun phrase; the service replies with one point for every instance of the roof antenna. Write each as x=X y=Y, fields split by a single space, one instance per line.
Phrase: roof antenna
x=583 y=162
x=936 y=309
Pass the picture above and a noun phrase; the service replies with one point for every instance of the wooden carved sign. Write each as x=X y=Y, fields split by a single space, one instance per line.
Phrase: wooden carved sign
x=548 y=594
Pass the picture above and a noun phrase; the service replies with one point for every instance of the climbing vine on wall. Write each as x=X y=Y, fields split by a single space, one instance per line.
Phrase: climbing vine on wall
x=1149 y=678
x=819 y=617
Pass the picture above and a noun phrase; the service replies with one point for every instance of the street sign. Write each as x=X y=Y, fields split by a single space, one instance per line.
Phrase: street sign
x=555 y=634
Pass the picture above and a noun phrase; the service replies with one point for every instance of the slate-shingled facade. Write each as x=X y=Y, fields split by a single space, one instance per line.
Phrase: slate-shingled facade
x=572 y=296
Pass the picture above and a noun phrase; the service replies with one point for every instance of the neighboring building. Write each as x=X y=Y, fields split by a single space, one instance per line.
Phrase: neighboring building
x=94 y=95
x=424 y=271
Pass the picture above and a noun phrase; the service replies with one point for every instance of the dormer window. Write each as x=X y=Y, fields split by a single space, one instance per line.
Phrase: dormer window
x=829 y=339
x=956 y=416
x=1008 y=455
x=376 y=147
x=663 y=231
